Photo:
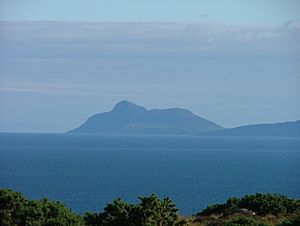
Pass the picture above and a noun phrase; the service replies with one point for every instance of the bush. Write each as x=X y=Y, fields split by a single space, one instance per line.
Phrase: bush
x=151 y=211
x=13 y=206
x=154 y=211
x=274 y=204
x=261 y=204
x=15 y=210
x=291 y=222
x=246 y=221
x=115 y=214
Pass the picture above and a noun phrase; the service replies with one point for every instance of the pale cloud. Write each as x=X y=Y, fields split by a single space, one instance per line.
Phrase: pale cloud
x=94 y=40
x=64 y=90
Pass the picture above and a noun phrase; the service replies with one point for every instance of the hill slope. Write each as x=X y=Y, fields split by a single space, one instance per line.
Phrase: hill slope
x=283 y=129
x=129 y=118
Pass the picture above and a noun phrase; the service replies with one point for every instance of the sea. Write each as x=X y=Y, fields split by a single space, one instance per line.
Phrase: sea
x=86 y=172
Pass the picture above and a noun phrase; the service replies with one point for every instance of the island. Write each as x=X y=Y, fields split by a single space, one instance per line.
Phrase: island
x=127 y=118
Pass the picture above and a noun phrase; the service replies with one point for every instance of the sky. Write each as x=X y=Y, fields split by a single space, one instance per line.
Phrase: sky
x=233 y=62
x=254 y=12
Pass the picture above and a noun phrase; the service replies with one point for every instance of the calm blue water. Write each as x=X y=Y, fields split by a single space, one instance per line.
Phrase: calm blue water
x=87 y=172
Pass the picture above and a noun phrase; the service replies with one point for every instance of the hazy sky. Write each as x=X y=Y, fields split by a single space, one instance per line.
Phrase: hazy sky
x=254 y=12
x=62 y=61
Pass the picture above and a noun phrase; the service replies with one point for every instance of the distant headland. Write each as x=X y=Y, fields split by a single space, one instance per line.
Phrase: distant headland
x=127 y=118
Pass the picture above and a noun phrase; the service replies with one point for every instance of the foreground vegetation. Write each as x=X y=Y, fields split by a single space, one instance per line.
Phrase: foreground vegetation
x=252 y=210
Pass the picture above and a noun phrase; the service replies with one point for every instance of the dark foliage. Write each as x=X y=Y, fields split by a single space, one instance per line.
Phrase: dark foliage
x=116 y=213
x=16 y=210
x=245 y=221
x=150 y=211
x=294 y=221
x=261 y=204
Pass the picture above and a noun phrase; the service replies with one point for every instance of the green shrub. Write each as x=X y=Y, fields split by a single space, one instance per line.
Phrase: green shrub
x=151 y=211
x=245 y=221
x=264 y=204
x=115 y=214
x=16 y=210
x=154 y=211
x=261 y=204
x=291 y=222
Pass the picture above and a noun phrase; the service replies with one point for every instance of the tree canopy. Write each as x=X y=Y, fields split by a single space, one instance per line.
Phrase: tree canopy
x=17 y=210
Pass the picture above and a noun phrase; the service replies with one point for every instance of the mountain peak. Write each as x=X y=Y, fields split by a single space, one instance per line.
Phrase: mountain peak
x=127 y=106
